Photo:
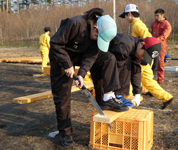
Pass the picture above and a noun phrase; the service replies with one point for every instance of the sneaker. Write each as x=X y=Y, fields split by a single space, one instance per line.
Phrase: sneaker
x=167 y=103
x=66 y=141
x=124 y=101
x=113 y=104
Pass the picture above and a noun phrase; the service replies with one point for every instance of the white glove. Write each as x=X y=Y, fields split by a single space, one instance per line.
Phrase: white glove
x=136 y=99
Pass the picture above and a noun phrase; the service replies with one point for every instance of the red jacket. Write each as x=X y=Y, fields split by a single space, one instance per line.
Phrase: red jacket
x=161 y=31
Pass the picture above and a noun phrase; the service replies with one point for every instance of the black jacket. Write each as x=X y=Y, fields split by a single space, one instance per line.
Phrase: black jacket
x=72 y=43
x=124 y=46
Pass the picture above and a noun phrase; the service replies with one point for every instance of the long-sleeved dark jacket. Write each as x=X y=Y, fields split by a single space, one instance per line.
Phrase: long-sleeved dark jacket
x=72 y=43
x=124 y=46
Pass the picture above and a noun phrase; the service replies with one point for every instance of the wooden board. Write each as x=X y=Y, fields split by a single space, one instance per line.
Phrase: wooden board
x=43 y=95
x=110 y=116
x=30 y=60
x=32 y=98
x=39 y=75
x=134 y=115
x=171 y=68
x=46 y=72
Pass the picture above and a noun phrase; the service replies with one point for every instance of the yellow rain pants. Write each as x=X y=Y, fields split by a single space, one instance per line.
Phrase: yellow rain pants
x=44 y=55
x=152 y=86
x=44 y=42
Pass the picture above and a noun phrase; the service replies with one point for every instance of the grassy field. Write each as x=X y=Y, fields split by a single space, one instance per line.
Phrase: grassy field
x=34 y=44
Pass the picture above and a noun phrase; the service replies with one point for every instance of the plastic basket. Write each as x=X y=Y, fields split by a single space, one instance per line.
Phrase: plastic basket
x=132 y=130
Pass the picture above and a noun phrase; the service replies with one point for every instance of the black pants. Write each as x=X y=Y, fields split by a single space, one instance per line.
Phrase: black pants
x=123 y=77
x=129 y=71
x=61 y=86
x=155 y=66
x=124 y=72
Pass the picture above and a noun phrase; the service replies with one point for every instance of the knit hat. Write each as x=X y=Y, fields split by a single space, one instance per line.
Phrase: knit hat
x=152 y=48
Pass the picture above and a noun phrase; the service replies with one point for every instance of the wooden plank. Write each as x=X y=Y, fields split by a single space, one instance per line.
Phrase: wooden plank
x=46 y=70
x=39 y=75
x=32 y=98
x=22 y=58
x=43 y=95
x=110 y=116
x=31 y=60
x=171 y=68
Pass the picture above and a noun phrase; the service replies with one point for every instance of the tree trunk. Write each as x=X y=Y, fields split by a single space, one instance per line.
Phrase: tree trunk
x=18 y=10
x=46 y=4
x=7 y=5
x=3 y=5
x=40 y=3
x=10 y=5
x=173 y=33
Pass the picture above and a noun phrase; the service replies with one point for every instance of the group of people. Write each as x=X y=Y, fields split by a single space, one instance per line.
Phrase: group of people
x=115 y=60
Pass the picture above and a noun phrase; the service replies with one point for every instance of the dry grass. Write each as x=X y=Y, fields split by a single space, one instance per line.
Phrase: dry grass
x=29 y=24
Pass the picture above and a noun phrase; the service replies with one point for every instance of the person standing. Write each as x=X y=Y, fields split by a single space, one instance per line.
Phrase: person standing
x=161 y=29
x=131 y=14
x=44 y=42
x=82 y=41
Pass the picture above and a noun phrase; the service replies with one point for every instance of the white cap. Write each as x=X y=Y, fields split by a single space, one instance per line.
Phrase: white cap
x=129 y=8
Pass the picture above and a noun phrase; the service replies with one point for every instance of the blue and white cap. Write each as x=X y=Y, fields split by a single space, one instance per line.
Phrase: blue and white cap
x=107 y=30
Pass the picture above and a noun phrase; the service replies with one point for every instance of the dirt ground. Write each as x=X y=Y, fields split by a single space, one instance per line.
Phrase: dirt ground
x=26 y=127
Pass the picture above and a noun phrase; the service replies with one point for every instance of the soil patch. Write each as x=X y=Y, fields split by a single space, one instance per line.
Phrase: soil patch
x=26 y=127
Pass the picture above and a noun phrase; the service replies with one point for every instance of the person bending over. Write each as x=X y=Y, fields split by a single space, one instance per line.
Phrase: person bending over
x=82 y=41
x=139 y=29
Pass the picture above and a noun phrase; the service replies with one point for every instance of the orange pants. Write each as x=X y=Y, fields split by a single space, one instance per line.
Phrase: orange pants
x=160 y=71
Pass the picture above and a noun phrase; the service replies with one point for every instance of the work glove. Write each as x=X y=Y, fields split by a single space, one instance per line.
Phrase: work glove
x=136 y=99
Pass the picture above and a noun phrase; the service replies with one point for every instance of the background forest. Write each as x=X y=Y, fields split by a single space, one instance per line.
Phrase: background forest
x=22 y=20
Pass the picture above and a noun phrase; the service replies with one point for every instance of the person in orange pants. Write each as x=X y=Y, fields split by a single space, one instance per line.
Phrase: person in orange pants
x=161 y=29
x=44 y=42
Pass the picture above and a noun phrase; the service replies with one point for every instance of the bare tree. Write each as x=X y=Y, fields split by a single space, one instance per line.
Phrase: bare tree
x=3 y=6
x=18 y=9
x=30 y=22
x=7 y=5
x=172 y=16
